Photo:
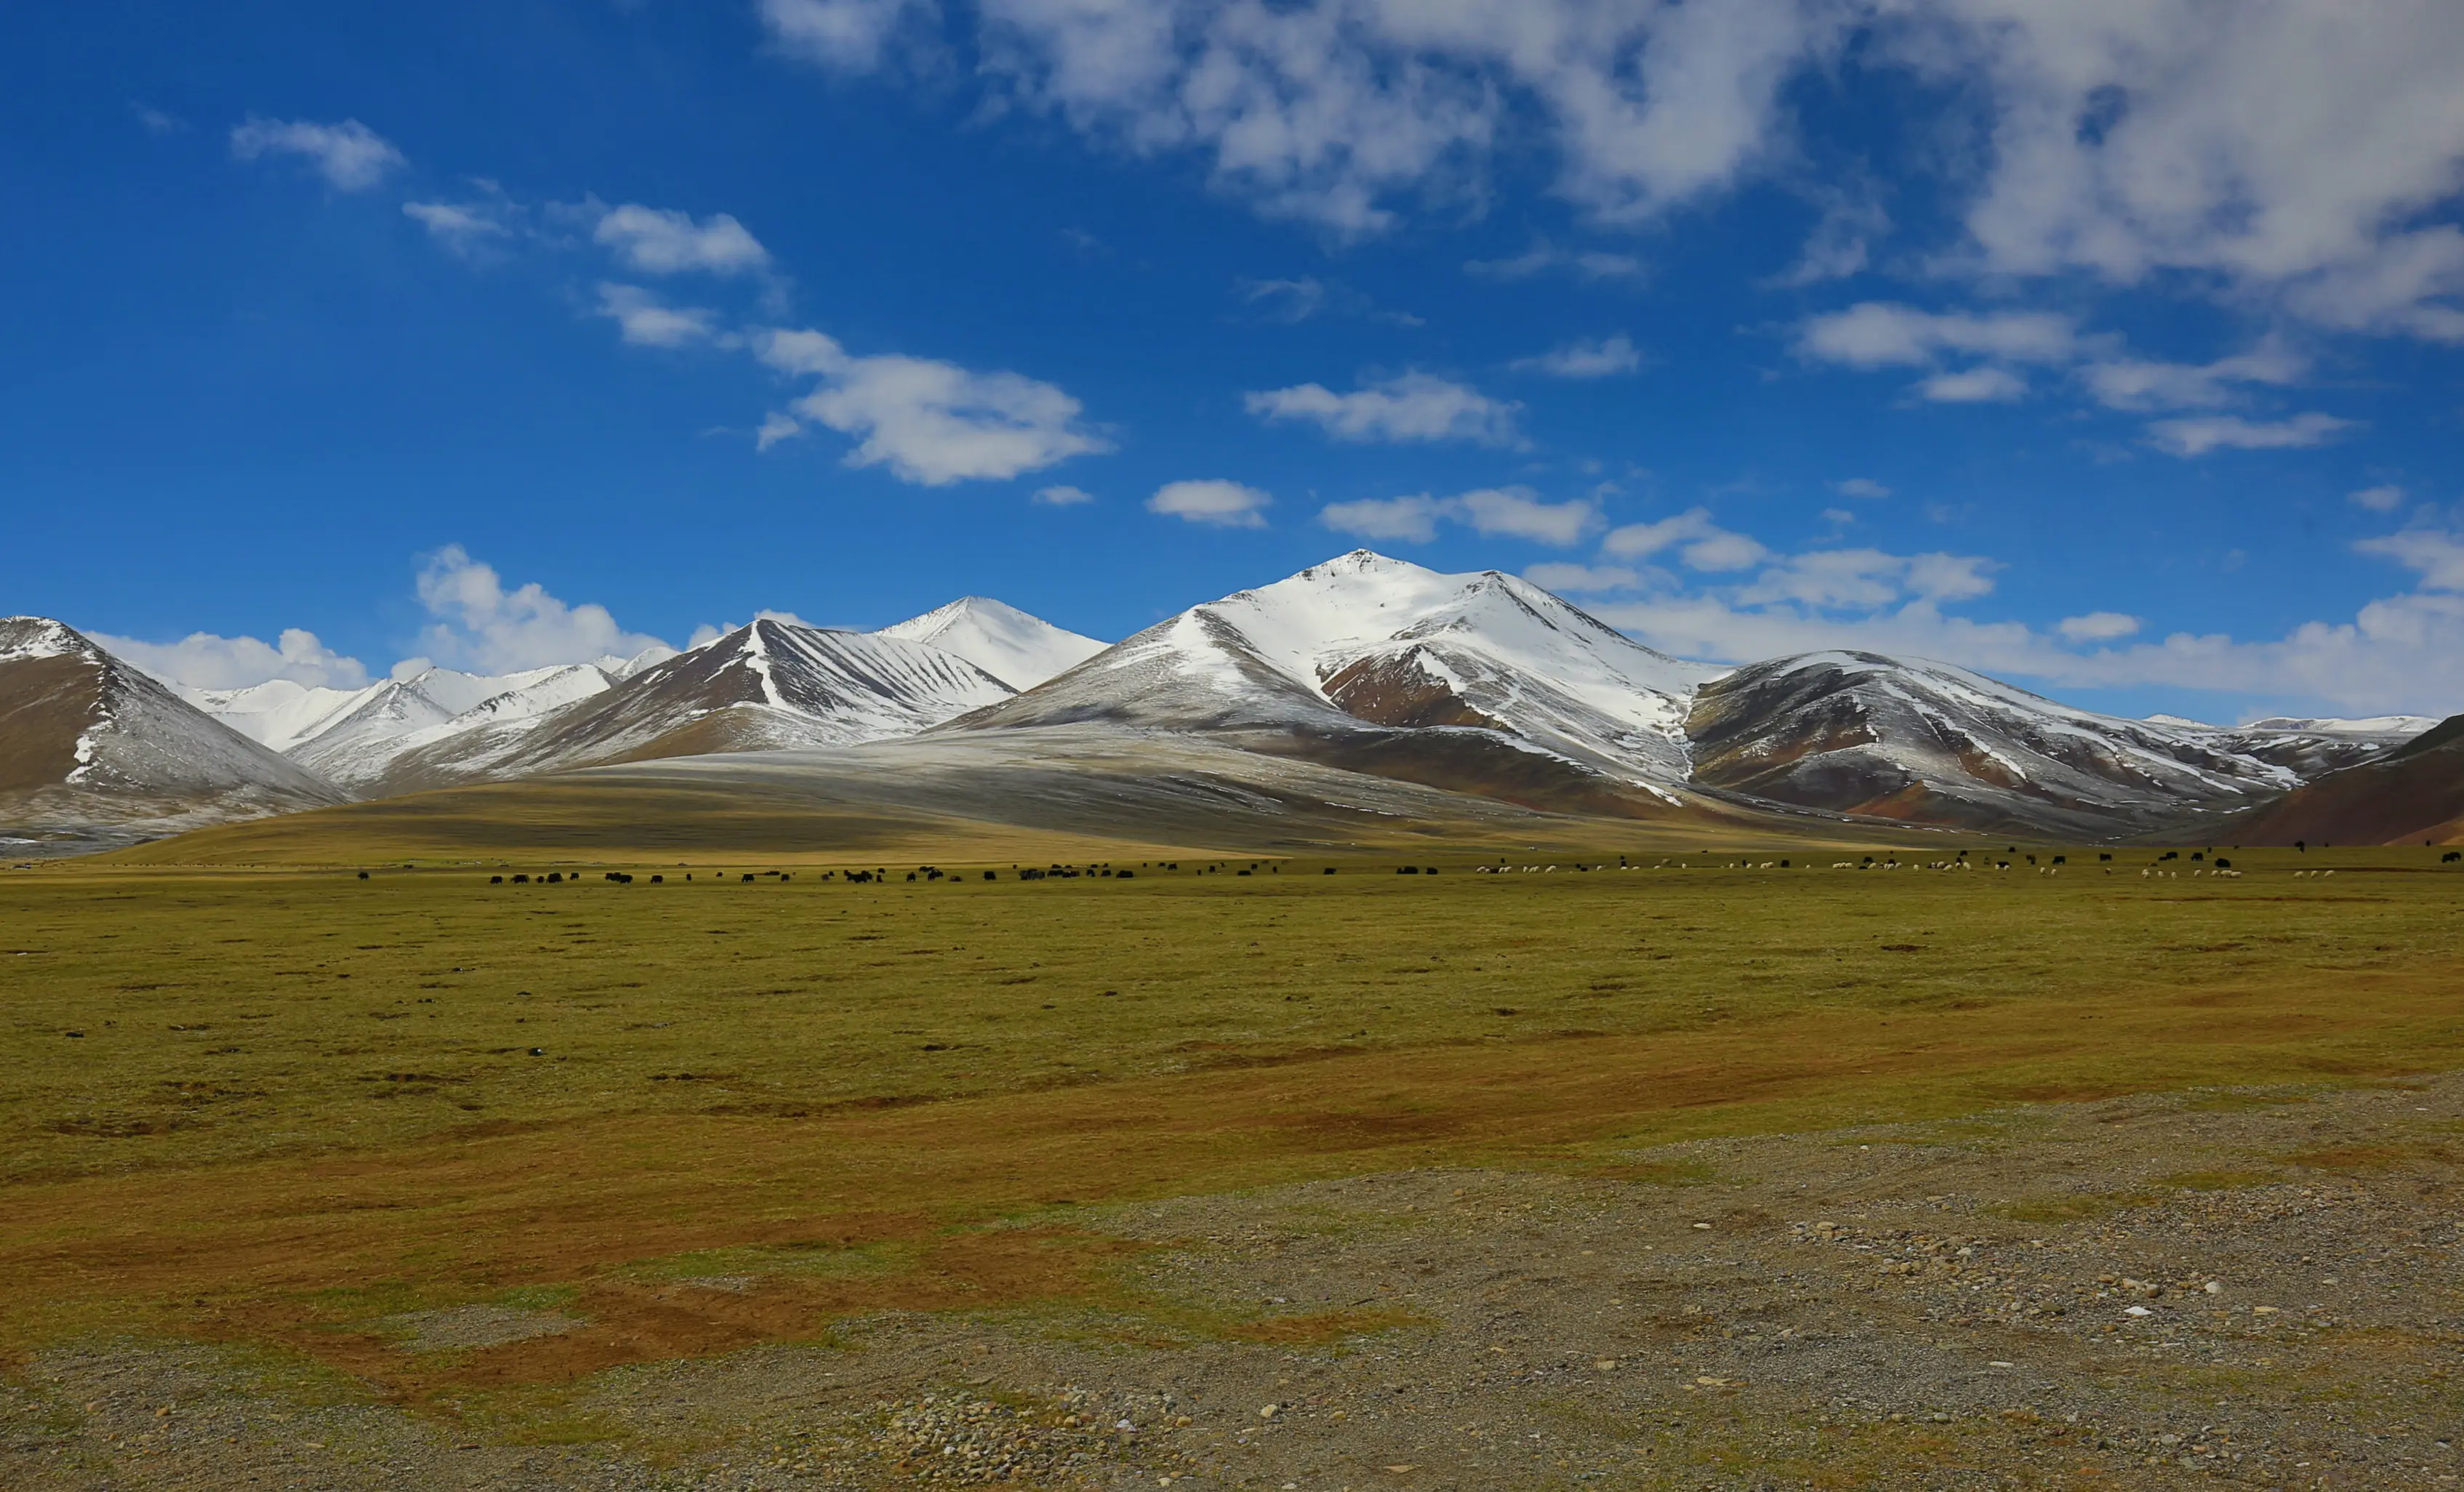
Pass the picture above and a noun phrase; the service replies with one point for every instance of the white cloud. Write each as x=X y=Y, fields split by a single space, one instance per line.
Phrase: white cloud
x=647 y=322
x=202 y=660
x=655 y=241
x=480 y=623
x=1217 y=504
x=1866 y=578
x=1062 y=496
x=1514 y=512
x=775 y=428
x=2436 y=554
x=1701 y=543
x=1408 y=520
x=1582 y=578
x=1860 y=487
x=931 y=423
x=1511 y=511
x=2300 y=156
x=1542 y=257
x=460 y=226
x=158 y=122
x=2385 y=498
x=350 y=156
x=2197 y=436
x=852 y=36
x=1974 y=386
x=2289 y=152
x=1415 y=406
x=1877 y=334
x=2398 y=654
x=1585 y=359
x=2130 y=384
x=2097 y=627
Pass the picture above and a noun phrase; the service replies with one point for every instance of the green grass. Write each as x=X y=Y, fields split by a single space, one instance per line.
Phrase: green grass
x=299 y=1097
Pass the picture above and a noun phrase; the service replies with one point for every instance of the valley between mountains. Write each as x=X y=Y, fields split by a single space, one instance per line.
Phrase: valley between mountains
x=1365 y=686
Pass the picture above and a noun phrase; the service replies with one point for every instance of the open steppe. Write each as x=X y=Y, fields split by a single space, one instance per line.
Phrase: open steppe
x=1723 y=1175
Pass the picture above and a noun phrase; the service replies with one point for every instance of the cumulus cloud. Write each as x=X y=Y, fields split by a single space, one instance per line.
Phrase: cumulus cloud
x=1832 y=579
x=2197 y=436
x=349 y=156
x=1860 y=487
x=645 y=320
x=1217 y=504
x=1515 y=513
x=1701 y=543
x=479 y=624
x=929 y=421
x=1604 y=358
x=2097 y=627
x=2287 y=152
x=1062 y=496
x=2303 y=156
x=1415 y=406
x=1508 y=512
x=2437 y=555
x=202 y=660
x=654 y=241
x=2383 y=498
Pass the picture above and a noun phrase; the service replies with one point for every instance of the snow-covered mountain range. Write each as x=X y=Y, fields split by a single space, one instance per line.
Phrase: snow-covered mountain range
x=1481 y=684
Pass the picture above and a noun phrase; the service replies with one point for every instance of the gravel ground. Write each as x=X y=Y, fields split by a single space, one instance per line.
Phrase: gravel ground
x=2260 y=1288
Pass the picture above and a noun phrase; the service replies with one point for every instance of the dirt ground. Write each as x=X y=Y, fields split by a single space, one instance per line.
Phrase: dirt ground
x=2257 y=1286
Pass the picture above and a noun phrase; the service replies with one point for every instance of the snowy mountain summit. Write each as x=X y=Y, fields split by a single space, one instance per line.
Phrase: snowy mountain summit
x=1018 y=650
x=1365 y=644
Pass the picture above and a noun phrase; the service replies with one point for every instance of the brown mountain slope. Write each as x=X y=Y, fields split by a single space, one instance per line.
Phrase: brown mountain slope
x=2413 y=792
x=94 y=753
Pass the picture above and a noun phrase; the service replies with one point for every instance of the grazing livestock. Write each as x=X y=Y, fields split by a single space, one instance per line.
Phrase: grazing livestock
x=2451 y=856
x=495 y=880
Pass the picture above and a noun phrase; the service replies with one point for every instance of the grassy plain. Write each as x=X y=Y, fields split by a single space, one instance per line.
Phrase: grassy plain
x=285 y=1107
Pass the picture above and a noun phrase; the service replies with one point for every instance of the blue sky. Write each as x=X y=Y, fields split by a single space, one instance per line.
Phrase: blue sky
x=2121 y=354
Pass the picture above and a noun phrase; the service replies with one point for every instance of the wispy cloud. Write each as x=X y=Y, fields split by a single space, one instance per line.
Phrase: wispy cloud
x=1413 y=407
x=2198 y=435
x=1604 y=358
x=349 y=156
x=1496 y=511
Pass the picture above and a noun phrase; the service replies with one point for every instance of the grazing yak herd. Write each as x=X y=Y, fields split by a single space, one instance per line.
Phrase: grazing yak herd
x=2166 y=866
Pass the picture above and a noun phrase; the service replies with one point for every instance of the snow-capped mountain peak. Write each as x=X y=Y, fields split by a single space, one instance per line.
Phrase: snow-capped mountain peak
x=1364 y=642
x=1016 y=648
